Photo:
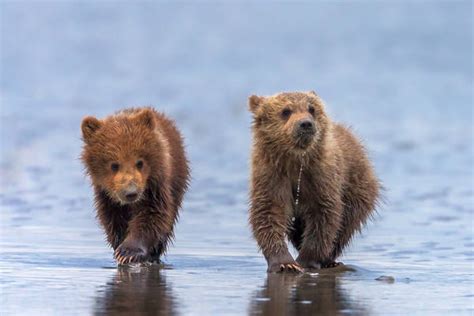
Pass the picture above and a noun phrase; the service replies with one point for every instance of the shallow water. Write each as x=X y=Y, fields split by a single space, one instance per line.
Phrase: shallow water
x=399 y=73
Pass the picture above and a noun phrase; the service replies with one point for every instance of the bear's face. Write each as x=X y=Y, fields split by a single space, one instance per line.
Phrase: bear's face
x=295 y=120
x=120 y=154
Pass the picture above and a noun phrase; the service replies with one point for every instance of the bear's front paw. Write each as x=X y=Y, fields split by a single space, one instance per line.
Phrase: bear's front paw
x=285 y=267
x=283 y=263
x=131 y=251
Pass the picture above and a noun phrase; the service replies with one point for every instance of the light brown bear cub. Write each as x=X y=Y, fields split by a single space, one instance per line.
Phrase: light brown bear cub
x=311 y=182
x=139 y=172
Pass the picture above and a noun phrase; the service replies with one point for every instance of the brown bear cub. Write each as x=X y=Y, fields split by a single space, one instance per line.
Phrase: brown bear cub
x=139 y=172
x=311 y=182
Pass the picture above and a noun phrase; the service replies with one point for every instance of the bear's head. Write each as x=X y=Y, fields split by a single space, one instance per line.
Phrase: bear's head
x=122 y=152
x=290 y=120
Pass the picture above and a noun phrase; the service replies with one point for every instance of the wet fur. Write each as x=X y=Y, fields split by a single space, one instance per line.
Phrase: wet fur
x=339 y=190
x=139 y=231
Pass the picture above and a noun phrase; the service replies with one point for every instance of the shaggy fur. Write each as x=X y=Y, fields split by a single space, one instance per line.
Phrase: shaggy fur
x=339 y=189
x=139 y=172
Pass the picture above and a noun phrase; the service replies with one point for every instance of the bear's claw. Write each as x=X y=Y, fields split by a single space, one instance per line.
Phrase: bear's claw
x=291 y=267
x=286 y=267
x=125 y=255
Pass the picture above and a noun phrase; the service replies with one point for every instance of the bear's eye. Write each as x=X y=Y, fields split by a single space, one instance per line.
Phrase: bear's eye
x=139 y=164
x=311 y=109
x=286 y=113
x=114 y=166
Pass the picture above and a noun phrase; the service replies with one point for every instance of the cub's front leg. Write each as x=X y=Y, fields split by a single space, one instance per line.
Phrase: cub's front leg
x=269 y=225
x=147 y=232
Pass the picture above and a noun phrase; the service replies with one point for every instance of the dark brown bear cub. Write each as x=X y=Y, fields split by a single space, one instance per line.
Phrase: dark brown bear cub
x=311 y=182
x=139 y=172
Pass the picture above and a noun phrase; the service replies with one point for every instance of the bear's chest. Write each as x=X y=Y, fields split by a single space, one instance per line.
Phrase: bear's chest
x=304 y=193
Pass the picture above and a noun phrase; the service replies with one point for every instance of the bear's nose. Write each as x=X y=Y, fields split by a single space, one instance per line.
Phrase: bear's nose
x=306 y=125
x=131 y=196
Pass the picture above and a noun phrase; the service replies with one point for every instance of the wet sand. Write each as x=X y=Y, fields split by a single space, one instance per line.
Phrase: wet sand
x=399 y=73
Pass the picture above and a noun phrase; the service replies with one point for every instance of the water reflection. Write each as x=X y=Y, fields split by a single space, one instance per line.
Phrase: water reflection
x=307 y=294
x=139 y=290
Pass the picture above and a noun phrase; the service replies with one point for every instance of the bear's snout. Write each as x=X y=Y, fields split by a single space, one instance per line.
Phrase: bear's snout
x=306 y=126
x=130 y=194
x=303 y=132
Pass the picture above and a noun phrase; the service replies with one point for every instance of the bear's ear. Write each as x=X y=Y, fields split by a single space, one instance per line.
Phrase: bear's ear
x=254 y=102
x=89 y=126
x=147 y=118
x=313 y=93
